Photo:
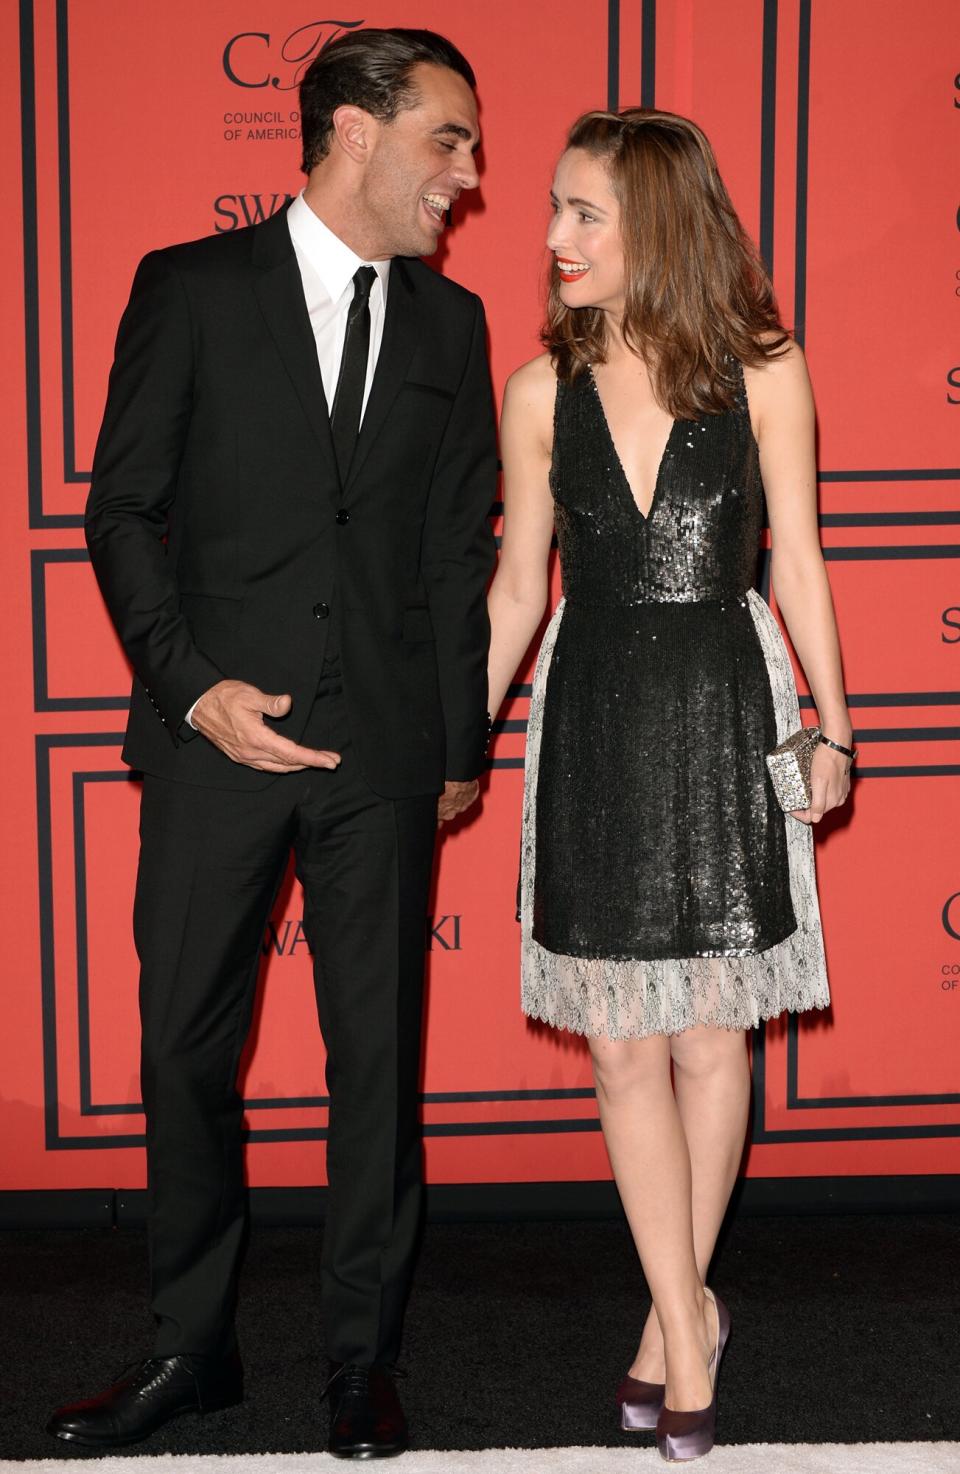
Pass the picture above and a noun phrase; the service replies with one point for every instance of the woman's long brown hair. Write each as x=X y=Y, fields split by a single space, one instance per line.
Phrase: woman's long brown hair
x=697 y=292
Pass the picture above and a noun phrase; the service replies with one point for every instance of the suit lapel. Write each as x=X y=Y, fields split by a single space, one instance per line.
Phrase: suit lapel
x=279 y=291
x=396 y=350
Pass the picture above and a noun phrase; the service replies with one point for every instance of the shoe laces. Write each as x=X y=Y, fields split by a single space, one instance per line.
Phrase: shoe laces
x=353 y=1379
x=147 y=1373
x=348 y=1375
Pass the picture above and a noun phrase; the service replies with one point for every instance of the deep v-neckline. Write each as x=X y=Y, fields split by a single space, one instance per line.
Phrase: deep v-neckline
x=644 y=516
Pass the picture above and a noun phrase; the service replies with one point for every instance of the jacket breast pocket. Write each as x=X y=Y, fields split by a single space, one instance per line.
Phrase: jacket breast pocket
x=424 y=386
x=417 y=624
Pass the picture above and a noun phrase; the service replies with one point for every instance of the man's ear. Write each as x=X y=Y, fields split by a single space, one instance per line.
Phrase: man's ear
x=355 y=131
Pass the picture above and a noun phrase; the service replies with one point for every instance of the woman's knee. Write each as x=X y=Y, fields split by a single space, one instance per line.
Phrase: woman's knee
x=707 y=1051
x=623 y=1066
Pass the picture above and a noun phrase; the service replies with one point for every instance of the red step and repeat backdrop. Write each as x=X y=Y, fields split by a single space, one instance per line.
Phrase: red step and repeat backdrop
x=836 y=123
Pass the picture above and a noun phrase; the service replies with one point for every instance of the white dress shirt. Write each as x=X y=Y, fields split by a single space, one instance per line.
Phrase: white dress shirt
x=327 y=268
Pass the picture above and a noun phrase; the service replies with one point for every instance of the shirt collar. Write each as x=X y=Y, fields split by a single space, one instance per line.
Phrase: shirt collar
x=329 y=257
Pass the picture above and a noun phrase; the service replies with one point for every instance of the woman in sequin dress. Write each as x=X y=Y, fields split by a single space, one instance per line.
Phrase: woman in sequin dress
x=667 y=902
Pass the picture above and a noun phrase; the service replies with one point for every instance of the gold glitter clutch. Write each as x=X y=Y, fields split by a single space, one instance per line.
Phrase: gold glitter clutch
x=789 y=765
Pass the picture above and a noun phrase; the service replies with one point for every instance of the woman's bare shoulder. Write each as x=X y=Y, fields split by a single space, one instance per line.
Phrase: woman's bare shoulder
x=528 y=401
x=787 y=361
x=781 y=379
x=535 y=380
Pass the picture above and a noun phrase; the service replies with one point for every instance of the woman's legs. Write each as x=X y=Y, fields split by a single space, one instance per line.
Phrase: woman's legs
x=712 y=1092
x=648 y=1150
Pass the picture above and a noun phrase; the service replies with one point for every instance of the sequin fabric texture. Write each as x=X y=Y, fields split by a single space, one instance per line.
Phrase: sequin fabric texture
x=661 y=884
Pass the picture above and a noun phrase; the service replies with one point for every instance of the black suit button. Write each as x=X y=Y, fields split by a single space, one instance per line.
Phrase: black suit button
x=321 y=611
x=343 y=517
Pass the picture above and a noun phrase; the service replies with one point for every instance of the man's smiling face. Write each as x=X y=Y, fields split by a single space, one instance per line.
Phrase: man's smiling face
x=422 y=162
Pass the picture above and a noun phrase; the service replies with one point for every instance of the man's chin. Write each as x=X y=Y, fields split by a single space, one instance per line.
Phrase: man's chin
x=427 y=242
x=422 y=247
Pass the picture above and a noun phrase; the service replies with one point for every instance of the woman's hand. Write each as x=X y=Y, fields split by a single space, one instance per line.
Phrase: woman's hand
x=829 y=783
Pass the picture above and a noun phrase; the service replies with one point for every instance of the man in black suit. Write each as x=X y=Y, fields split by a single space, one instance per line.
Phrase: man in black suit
x=288 y=524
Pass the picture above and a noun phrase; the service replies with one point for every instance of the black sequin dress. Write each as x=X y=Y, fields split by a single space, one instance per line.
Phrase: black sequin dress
x=661 y=884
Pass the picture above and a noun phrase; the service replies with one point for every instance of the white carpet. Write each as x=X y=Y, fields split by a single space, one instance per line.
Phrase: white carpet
x=750 y=1458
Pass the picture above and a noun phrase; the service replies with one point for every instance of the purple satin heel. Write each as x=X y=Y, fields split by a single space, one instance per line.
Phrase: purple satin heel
x=690 y=1435
x=640 y=1404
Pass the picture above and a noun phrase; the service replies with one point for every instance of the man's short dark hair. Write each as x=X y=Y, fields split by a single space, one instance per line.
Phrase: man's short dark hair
x=369 y=69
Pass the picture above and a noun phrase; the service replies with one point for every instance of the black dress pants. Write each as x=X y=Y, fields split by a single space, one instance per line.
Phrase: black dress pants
x=211 y=863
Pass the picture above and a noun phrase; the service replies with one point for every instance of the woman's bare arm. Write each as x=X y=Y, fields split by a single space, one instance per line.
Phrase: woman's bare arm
x=784 y=419
x=518 y=594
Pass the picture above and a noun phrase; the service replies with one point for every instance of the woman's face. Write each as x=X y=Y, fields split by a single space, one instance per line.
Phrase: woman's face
x=584 y=234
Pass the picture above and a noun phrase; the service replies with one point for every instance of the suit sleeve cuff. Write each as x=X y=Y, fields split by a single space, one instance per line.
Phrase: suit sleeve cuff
x=475 y=761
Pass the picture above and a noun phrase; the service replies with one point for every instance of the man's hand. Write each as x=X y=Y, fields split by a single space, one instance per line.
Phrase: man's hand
x=455 y=798
x=230 y=715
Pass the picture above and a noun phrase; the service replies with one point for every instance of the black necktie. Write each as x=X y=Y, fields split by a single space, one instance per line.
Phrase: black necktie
x=348 y=400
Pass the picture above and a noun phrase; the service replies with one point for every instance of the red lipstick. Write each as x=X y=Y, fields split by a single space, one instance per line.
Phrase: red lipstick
x=570 y=276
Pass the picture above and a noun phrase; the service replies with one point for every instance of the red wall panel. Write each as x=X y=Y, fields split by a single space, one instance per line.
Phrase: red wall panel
x=835 y=127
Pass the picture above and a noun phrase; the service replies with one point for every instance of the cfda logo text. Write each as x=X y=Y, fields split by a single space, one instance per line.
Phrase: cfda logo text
x=261 y=59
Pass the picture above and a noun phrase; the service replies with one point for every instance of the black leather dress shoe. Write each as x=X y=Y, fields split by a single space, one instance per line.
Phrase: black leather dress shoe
x=147 y=1396
x=366 y=1419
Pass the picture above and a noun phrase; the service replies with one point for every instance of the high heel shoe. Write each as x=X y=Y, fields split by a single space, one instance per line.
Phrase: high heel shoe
x=689 y=1435
x=640 y=1404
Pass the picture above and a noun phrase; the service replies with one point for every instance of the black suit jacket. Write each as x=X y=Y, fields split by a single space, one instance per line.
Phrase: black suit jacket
x=221 y=534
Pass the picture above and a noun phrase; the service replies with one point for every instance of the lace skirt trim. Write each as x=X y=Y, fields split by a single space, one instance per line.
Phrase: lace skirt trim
x=632 y=999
